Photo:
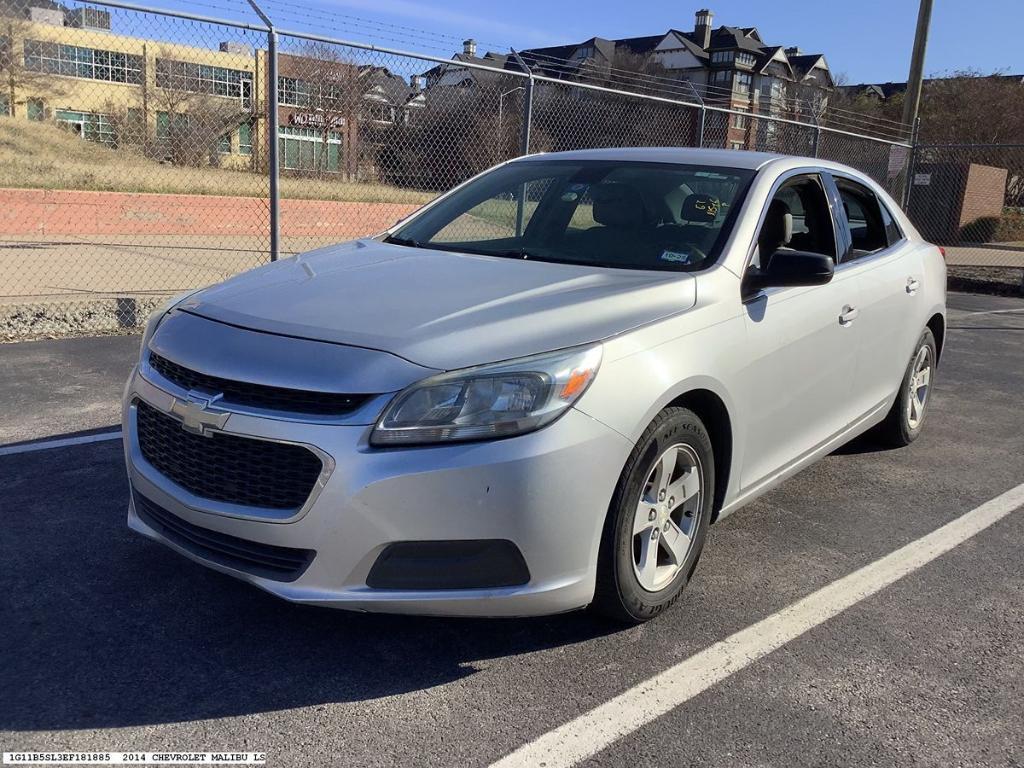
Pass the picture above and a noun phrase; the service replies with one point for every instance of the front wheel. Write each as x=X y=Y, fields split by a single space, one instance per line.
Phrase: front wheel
x=905 y=420
x=658 y=519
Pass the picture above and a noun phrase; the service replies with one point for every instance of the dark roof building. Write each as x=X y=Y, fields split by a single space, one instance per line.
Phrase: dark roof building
x=454 y=75
x=885 y=91
x=728 y=66
x=696 y=55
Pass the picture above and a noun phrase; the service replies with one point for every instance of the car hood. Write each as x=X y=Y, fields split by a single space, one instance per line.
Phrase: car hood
x=441 y=309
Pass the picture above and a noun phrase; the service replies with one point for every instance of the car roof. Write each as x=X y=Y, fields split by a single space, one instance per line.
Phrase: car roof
x=723 y=158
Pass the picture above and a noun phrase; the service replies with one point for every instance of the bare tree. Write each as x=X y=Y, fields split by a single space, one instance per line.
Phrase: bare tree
x=630 y=71
x=970 y=107
x=196 y=124
x=19 y=79
x=330 y=88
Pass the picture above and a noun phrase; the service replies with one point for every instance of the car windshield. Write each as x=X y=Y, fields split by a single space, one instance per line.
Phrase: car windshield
x=628 y=215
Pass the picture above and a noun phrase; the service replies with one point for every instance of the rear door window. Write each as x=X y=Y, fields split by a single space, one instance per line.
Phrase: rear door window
x=868 y=231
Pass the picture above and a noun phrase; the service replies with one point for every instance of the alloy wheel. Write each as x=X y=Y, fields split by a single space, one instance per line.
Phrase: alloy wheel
x=920 y=386
x=667 y=516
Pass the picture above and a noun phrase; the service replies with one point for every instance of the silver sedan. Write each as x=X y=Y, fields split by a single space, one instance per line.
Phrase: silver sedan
x=538 y=391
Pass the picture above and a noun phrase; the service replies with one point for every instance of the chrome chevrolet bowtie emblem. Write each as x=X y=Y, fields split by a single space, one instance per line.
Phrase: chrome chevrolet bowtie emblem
x=195 y=414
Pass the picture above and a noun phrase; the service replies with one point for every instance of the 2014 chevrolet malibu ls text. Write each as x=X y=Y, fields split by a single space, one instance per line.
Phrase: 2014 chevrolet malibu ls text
x=537 y=392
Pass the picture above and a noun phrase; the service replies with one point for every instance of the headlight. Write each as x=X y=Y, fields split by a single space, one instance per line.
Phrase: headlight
x=489 y=401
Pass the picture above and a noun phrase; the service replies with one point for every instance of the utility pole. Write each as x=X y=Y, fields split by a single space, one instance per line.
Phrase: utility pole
x=912 y=100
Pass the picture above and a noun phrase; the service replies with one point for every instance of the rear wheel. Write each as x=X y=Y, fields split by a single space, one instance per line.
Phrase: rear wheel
x=905 y=420
x=658 y=519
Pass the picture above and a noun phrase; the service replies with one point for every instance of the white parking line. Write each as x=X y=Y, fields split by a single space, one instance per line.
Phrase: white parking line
x=45 y=445
x=591 y=732
x=994 y=312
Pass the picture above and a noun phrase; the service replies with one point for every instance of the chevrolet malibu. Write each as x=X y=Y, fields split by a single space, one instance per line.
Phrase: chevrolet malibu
x=538 y=391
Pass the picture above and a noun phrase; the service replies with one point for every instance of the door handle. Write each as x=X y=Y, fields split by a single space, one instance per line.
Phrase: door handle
x=912 y=285
x=848 y=315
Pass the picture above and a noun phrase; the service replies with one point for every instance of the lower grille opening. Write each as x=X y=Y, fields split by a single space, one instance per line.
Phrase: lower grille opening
x=266 y=560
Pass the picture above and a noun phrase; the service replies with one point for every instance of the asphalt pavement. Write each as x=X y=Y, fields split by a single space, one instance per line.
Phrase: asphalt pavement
x=111 y=642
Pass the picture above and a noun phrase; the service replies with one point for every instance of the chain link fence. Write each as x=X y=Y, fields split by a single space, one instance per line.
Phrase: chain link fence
x=969 y=198
x=138 y=155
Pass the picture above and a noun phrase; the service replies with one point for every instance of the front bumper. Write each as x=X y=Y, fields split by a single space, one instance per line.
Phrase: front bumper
x=546 y=492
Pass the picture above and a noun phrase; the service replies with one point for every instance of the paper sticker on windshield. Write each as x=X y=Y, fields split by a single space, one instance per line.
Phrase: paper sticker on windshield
x=682 y=258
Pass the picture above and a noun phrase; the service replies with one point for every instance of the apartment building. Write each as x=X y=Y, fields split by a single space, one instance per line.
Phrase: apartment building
x=727 y=66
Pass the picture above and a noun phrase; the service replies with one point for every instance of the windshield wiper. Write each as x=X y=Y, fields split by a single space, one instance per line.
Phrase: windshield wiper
x=406 y=241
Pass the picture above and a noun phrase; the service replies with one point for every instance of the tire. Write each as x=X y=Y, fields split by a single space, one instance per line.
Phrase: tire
x=673 y=455
x=906 y=418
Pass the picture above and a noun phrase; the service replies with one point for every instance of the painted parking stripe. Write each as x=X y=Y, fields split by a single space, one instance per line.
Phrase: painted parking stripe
x=64 y=442
x=995 y=312
x=591 y=732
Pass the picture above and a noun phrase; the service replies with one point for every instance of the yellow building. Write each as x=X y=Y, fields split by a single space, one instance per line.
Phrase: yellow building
x=173 y=99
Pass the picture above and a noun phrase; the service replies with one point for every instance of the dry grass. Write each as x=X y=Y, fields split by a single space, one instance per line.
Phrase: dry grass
x=42 y=156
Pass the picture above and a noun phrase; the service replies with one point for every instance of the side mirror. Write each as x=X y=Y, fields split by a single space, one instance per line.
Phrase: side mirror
x=790 y=268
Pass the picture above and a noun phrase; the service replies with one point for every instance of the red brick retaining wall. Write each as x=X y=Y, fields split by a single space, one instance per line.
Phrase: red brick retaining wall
x=62 y=212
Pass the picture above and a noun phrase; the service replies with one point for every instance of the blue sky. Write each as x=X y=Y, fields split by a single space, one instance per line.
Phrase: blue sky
x=868 y=40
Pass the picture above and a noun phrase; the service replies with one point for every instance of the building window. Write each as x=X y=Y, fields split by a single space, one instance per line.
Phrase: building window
x=292 y=92
x=721 y=78
x=745 y=58
x=378 y=112
x=740 y=121
x=88 y=63
x=741 y=84
x=307 y=149
x=35 y=109
x=163 y=124
x=722 y=57
x=245 y=139
x=584 y=52
x=202 y=78
x=735 y=145
x=224 y=144
x=89 y=126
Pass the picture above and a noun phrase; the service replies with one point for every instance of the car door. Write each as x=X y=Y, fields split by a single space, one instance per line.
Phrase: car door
x=802 y=342
x=889 y=275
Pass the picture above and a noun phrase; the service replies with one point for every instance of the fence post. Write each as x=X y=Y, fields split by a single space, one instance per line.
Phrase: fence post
x=275 y=164
x=817 y=132
x=524 y=142
x=274 y=169
x=524 y=137
x=703 y=114
x=908 y=184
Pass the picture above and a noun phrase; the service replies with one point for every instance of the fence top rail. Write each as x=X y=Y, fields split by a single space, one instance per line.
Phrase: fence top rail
x=879 y=139
x=181 y=15
x=714 y=108
x=315 y=38
x=971 y=146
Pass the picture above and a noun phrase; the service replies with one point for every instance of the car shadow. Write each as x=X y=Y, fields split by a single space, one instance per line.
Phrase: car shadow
x=104 y=628
x=864 y=443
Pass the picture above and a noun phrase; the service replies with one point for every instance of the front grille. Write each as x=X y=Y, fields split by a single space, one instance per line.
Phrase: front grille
x=229 y=468
x=266 y=560
x=258 y=395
